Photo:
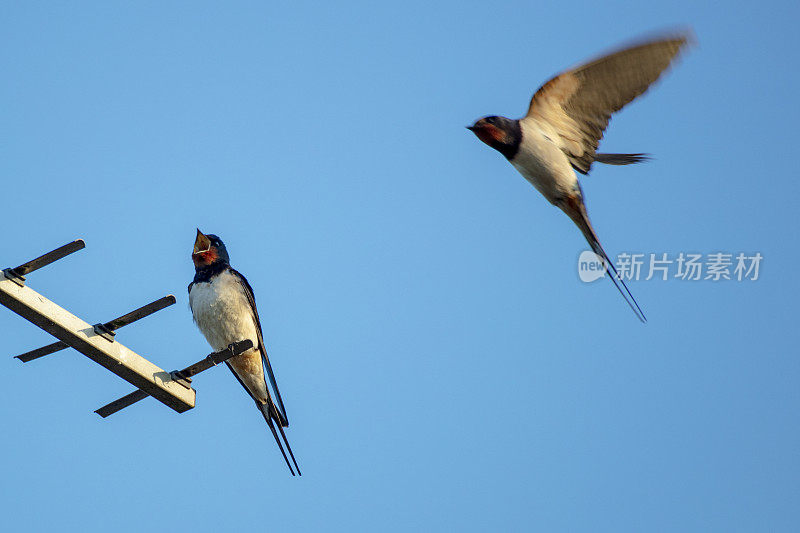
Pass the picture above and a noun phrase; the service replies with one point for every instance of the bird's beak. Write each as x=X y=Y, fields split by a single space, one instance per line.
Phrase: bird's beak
x=471 y=128
x=201 y=243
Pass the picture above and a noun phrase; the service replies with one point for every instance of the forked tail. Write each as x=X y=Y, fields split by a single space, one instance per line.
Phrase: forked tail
x=574 y=207
x=271 y=415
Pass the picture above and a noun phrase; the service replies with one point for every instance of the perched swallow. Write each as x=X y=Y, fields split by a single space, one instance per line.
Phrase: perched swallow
x=224 y=309
x=565 y=122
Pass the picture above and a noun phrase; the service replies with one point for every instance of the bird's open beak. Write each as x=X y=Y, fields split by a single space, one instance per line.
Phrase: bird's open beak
x=201 y=243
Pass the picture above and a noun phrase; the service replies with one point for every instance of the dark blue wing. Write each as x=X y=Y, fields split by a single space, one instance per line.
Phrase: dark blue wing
x=284 y=420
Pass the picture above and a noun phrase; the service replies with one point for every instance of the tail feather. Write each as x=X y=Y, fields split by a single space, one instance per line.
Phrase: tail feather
x=621 y=159
x=617 y=280
x=574 y=207
x=289 y=449
x=271 y=416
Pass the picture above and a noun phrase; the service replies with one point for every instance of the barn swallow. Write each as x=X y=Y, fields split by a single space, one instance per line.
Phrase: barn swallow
x=224 y=308
x=565 y=122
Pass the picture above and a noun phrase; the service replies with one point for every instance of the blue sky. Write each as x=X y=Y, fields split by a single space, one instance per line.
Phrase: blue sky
x=442 y=365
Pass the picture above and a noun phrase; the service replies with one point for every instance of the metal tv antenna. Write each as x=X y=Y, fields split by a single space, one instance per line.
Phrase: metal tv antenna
x=97 y=341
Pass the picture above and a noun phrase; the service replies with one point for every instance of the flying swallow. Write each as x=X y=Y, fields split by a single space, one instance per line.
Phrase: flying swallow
x=565 y=122
x=224 y=308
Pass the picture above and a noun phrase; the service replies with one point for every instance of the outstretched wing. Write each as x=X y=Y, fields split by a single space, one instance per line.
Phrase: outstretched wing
x=281 y=410
x=579 y=103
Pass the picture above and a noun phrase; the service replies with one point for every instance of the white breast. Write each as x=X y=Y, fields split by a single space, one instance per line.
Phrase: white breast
x=542 y=163
x=222 y=311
